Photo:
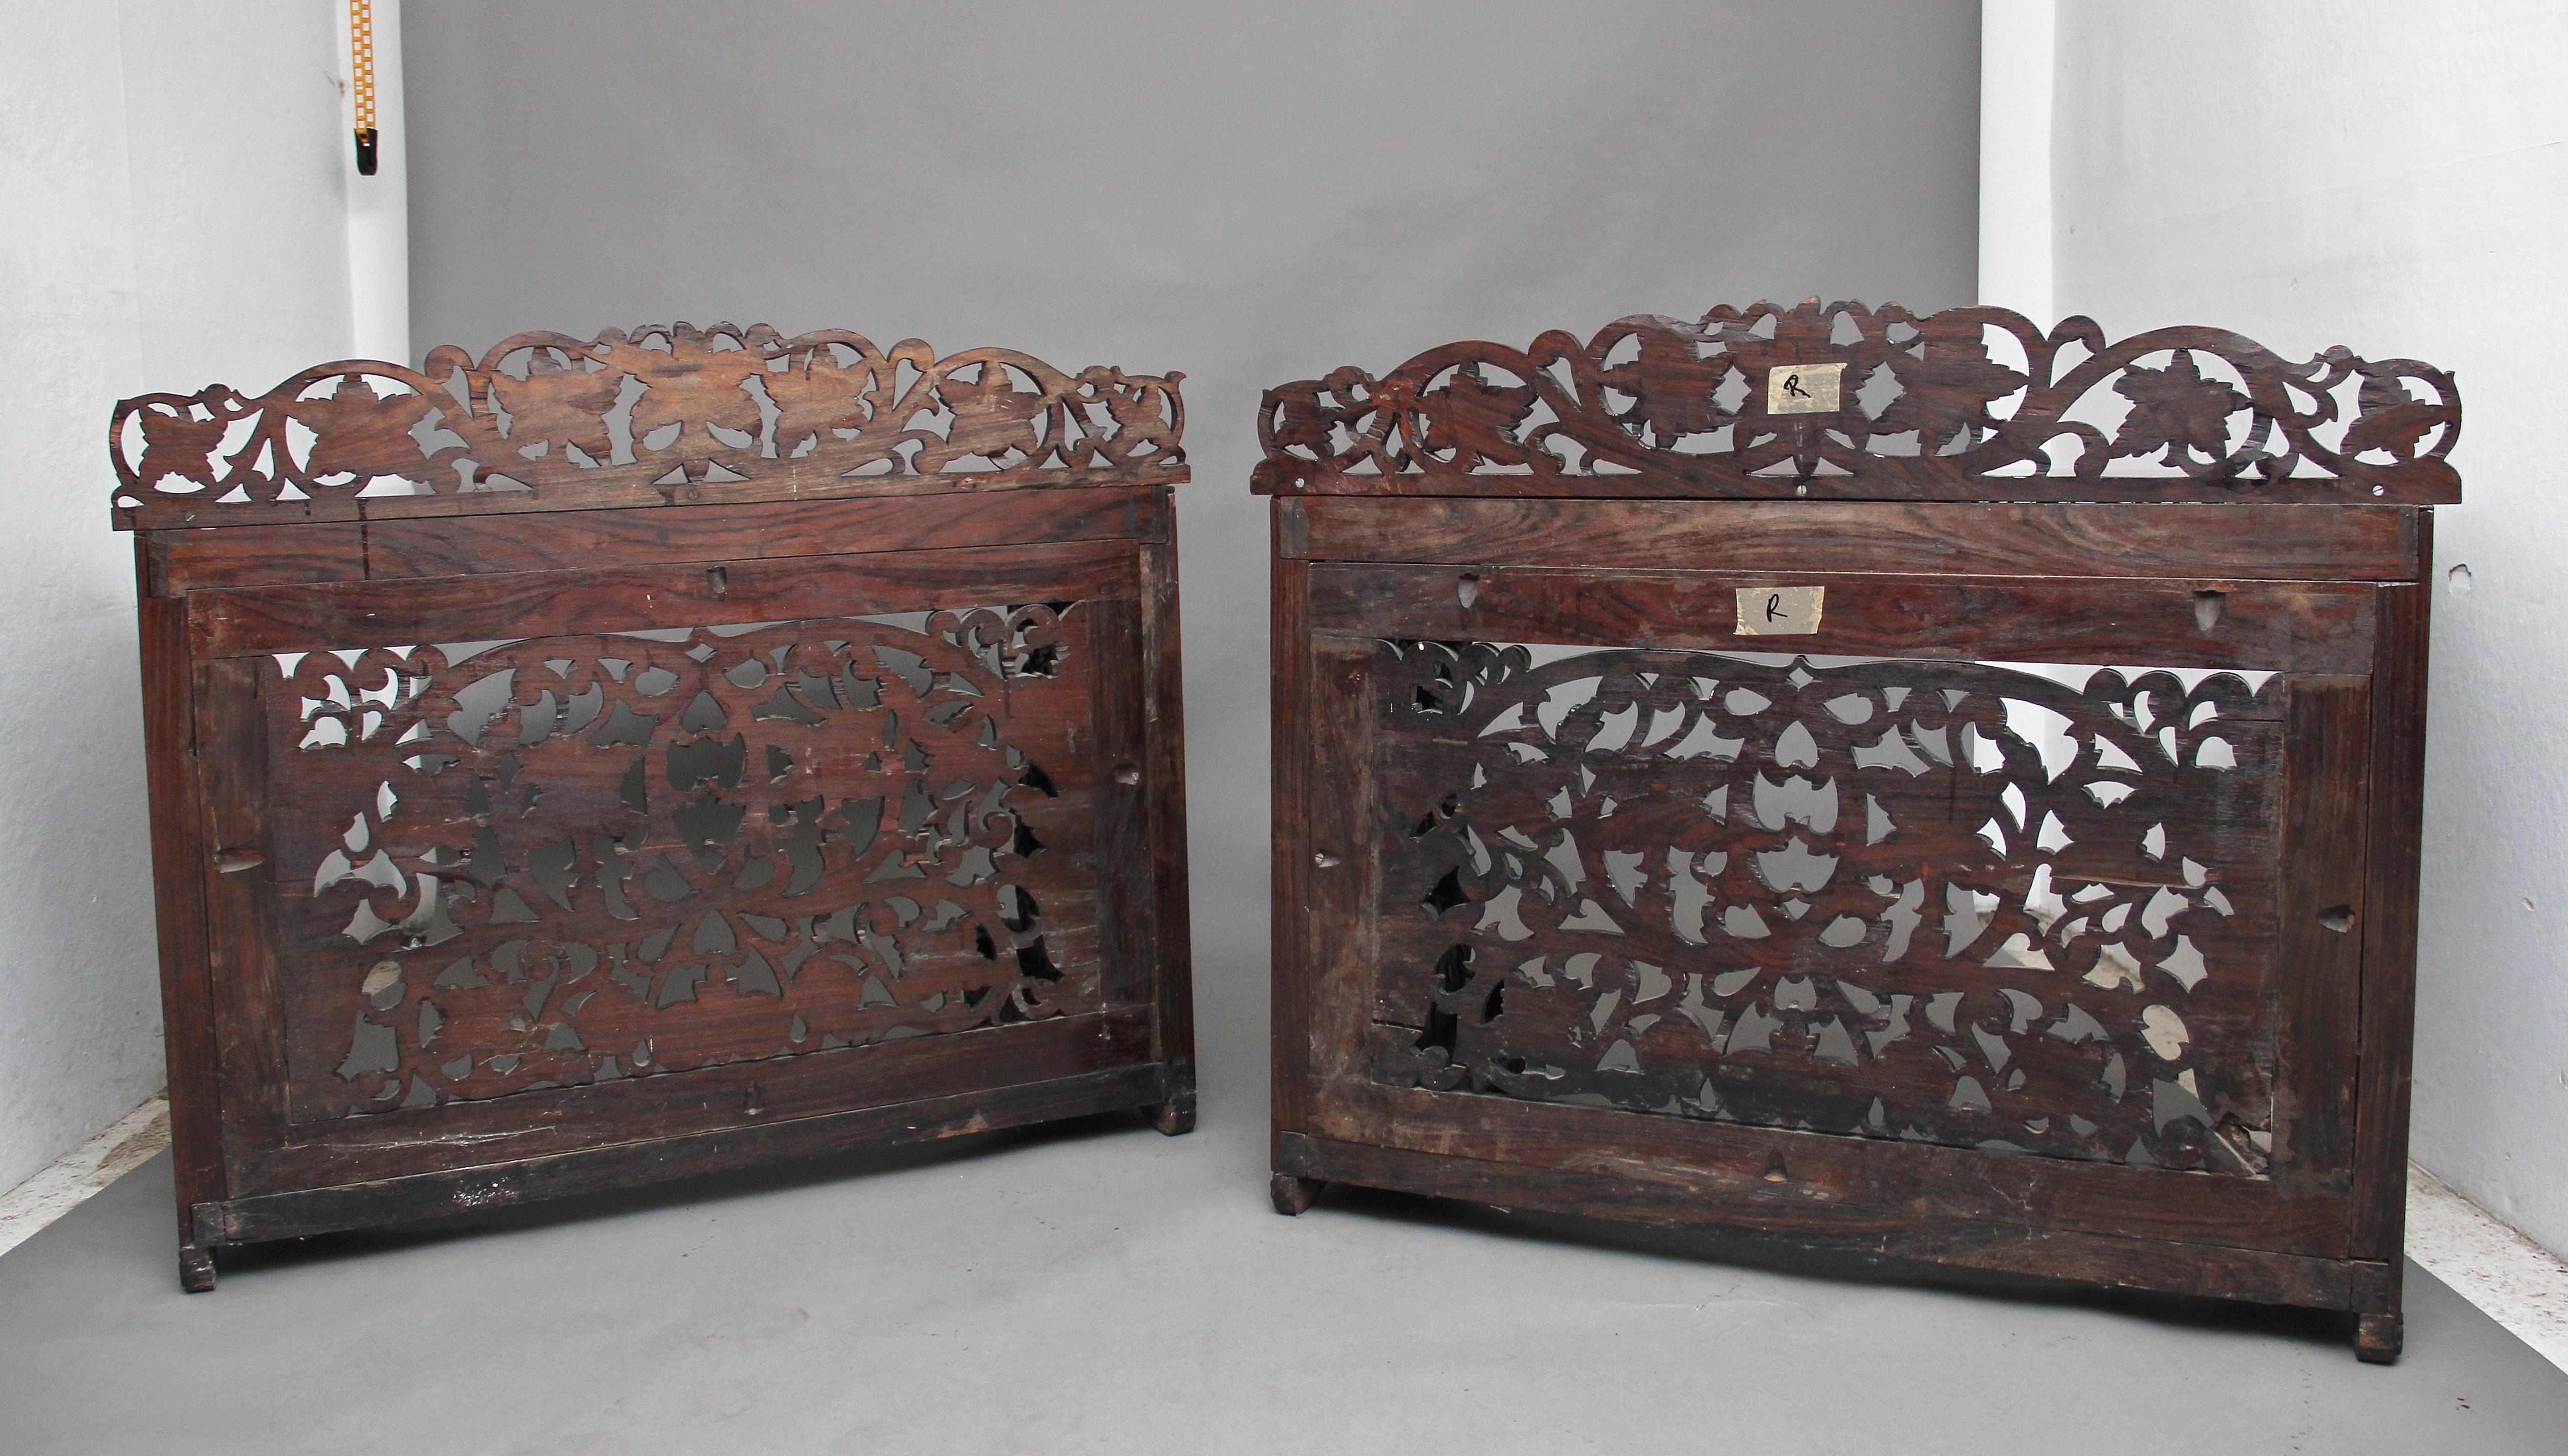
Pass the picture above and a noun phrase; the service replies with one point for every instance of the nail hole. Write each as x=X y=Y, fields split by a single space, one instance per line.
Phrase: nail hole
x=1127 y=774
x=2459 y=577
x=1775 y=1171
x=719 y=578
x=233 y=861
x=1325 y=860
x=2339 y=919
x=1469 y=590
x=2207 y=608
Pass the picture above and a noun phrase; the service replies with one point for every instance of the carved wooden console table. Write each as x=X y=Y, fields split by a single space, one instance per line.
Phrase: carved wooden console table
x=1910 y=786
x=617 y=758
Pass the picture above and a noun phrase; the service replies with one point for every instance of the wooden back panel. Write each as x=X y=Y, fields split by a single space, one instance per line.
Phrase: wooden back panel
x=609 y=750
x=1905 y=783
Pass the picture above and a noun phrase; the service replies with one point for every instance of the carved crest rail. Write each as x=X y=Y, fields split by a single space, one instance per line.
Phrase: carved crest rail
x=662 y=415
x=1871 y=404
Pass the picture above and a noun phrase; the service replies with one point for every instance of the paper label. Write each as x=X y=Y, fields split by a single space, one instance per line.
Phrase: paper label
x=1803 y=389
x=1780 y=611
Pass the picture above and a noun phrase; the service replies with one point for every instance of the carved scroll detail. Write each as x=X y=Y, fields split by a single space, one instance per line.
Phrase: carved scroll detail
x=1947 y=902
x=664 y=413
x=569 y=860
x=1966 y=403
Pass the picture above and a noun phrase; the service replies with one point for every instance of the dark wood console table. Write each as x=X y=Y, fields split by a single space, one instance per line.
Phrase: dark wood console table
x=612 y=759
x=1912 y=787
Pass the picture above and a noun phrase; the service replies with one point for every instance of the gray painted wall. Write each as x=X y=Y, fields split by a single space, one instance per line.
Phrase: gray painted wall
x=1248 y=194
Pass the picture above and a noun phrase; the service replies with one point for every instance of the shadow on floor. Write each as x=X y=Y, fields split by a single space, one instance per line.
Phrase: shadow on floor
x=2177 y=1311
x=689 y=1192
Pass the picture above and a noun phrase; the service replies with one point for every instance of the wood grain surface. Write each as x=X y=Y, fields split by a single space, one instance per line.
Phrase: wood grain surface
x=727 y=748
x=1854 y=403
x=2041 y=898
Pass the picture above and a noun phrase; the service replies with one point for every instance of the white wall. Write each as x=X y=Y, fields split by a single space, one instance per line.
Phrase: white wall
x=379 y=206
x=2018 y=60
x=170 y=177
x=2393 y=178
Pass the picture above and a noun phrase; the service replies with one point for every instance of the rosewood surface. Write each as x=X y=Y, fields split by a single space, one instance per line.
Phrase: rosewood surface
x=613 y=759
x=1909 y=787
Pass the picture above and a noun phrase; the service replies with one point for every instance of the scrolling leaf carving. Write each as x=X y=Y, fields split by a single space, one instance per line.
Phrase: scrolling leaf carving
x=568 y=860
x=1967 y=404
x=1954 y=902
x=671 y=413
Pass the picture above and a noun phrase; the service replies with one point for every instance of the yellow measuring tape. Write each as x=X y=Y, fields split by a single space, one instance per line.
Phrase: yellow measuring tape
x=361 y=80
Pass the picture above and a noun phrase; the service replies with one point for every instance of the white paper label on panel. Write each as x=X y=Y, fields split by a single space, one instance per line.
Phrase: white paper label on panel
x=1780 y=611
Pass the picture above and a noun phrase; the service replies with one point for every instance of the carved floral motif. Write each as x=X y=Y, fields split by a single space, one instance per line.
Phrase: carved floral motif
x=664 y=413
x=1944 y=901
x=1929 y=410
x=575 y=859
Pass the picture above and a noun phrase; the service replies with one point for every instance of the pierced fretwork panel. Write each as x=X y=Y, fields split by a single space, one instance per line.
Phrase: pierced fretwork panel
x=1943 y=901
x=564 y=860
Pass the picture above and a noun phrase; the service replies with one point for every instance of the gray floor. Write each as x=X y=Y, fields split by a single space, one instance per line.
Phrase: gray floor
x=1099 y=1288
